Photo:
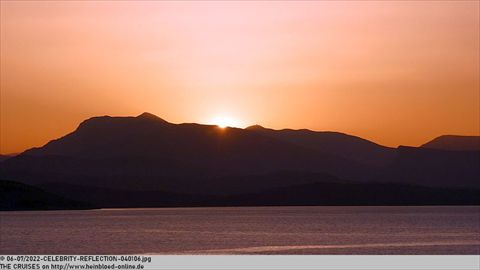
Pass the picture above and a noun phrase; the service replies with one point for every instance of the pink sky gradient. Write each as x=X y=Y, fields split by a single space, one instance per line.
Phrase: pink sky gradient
x=392 y=72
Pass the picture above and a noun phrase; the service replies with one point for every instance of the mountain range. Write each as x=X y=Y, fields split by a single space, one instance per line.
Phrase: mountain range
x=146 y=153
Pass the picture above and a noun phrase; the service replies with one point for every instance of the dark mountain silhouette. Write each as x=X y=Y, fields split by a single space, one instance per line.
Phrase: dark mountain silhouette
x=126 y=198
x=432 y=167
x=454 y=143
x=146 y=153
x=359 y=194
x=241 y=184
x=339 y=144
x=320 y=193
x=17 y=196
x=5 y=157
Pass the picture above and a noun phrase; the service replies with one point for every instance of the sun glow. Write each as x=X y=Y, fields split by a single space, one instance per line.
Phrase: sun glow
x=224 y=121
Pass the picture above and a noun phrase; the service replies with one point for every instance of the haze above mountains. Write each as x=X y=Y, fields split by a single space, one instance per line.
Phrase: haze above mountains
x=148 y=154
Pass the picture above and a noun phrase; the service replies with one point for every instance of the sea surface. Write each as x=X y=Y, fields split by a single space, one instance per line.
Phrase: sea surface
x=245 y=230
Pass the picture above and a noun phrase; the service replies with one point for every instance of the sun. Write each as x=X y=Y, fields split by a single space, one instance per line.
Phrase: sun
x=224 y=121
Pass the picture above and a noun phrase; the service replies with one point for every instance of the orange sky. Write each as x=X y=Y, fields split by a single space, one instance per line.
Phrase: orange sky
x=392 y=72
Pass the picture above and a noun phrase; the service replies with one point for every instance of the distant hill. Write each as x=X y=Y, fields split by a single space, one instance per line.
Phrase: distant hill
x=321 y=193
x=360 y=194
x=454 y=143
x=17 y=196
x=51 y=196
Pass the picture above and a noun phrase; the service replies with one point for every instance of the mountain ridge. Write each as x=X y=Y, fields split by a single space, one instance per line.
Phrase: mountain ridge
x=146 y=152
x=454 y=143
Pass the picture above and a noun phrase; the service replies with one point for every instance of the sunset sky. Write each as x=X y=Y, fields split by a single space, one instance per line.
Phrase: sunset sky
x=397 y=73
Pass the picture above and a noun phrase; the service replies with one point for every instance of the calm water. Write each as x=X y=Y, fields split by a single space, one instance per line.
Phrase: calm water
x=244 y=230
